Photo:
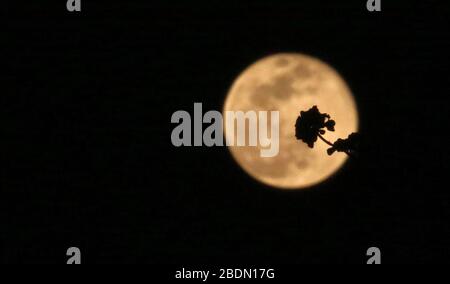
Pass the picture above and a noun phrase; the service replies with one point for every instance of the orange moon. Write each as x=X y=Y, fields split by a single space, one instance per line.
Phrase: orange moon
x=290 y=83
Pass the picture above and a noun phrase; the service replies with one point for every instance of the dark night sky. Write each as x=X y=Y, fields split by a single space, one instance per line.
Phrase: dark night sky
x=87 y=159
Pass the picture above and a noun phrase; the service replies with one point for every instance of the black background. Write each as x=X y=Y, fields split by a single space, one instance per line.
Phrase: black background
x=87 y=159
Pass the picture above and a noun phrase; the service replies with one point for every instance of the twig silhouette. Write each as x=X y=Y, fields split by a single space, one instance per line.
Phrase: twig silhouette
x=311 y=125
x=326 y=141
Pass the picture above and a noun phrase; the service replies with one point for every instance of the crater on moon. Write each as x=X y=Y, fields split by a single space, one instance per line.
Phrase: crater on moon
x=290 y=83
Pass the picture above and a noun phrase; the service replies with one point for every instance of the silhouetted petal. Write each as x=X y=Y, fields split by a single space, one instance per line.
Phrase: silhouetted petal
x=330 y=125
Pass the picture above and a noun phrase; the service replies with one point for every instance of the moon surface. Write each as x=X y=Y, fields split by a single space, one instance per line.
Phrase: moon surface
x=290 y=83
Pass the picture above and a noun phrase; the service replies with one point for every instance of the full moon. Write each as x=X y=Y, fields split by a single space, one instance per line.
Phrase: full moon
x=290 y=83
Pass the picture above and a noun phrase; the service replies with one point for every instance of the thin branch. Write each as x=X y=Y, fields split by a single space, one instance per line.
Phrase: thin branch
x=326 y=141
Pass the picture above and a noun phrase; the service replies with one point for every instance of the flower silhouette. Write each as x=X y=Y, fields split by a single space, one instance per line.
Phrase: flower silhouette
x=311 y=125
